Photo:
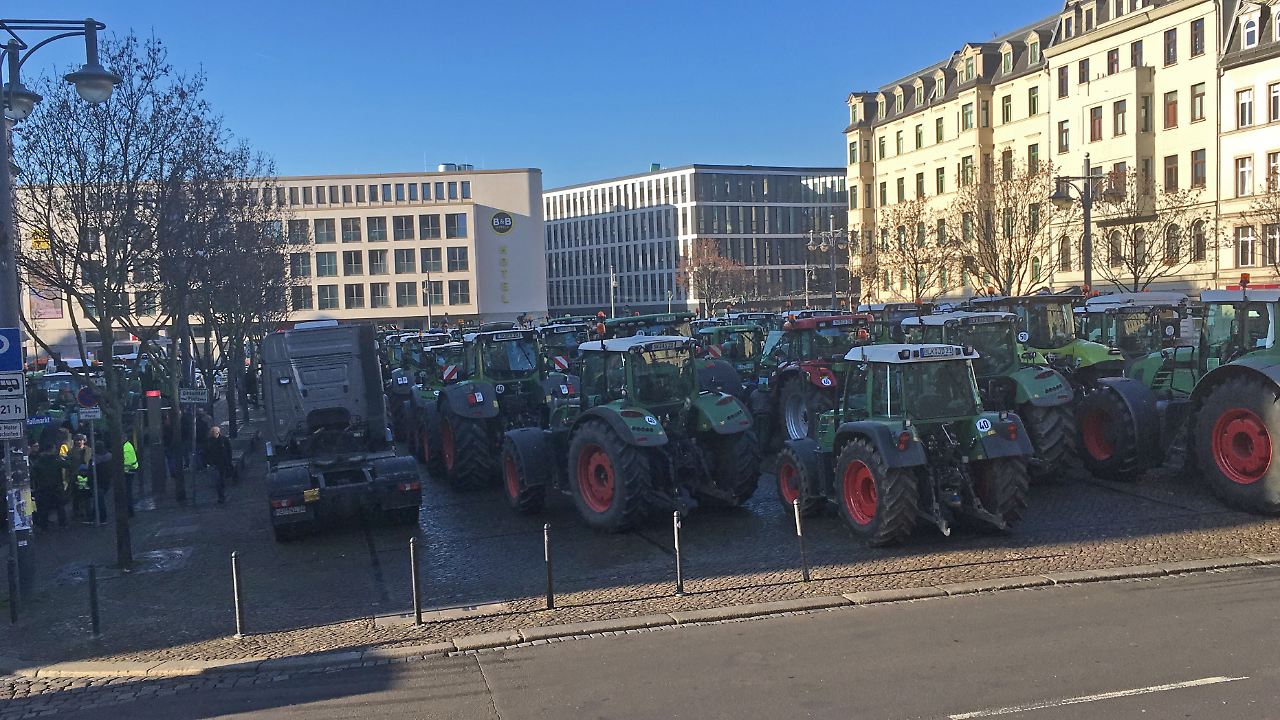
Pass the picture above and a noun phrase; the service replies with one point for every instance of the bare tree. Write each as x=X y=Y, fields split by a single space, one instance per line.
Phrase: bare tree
x=915 y=252
x=709 y=276
x=1144 y=233
x=1004 y=224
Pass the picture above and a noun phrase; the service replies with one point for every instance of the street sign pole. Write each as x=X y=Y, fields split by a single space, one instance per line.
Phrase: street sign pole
x=93 y=473
x=17 y=481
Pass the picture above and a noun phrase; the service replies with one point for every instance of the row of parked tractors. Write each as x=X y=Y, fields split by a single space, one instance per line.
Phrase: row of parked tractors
x=895 y=415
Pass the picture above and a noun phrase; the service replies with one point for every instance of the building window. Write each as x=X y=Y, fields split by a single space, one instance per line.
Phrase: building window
x=1171 y=173
x=1095 y=124
x=881 y=147
x=966 y=171
x=1033 y=52
x=298 y=232
x=453 y=191
x=399 y=192
x=439 y=191
x=1172 y=245
x=432 y=292
x=1197 y=37
x=853 y=154
x=300 y=265
x=431 y=260
x=1119 y=115
x=1170 y=46
x=466 y=189
x=897 y=143
x=413 y=192
x=1006 y=109
x=327 y=264
x=1113 y=61
x=327 y=297
x=1064 y=136
x=1273 y=95
x=379 y=295
x=359 y=193
x=1171 y=109
x=968 y=69
x=1245 y=256
x=1244 y=108
x=352 y=262
x=402 y=227
x=1006 y=62
x=1198 y=168
x=351 y=229
x=902 y=189
x=919 y=136
x=884 y=194
x=1006 y=165
x=354 y=297
x=1064 y=80
x=919 y=185
x=455 y=225
x=378 y=262
x=1250 y=33
x=406 y=294
x=1244 y=176
x=429 y=227
x=377 y=229
x=1083 y=67
x=1273 y=170
x=937 y=130
x=346 y=194
x=940 y=181
x=324 y=231
x=405 y=261
x=1033 y=101
x=1144 y=113
x=1135 y=54
x=458 y=260
x=1115 y=249
x=1033 y=158
x=1197 y=102
x=459 y=292
x=306 y=196
x=1064 y=254
x=966 y=116
x=300 y=298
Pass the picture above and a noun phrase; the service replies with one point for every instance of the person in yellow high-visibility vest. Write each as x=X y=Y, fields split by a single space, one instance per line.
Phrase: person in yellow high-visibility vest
x=130 y=457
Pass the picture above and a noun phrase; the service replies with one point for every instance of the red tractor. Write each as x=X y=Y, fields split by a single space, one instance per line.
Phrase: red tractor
x=800 y=370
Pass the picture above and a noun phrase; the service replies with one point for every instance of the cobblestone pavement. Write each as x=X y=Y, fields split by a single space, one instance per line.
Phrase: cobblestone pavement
x=322 y=593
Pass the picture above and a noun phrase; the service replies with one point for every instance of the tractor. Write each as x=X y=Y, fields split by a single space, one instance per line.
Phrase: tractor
x=1217 y=405
x=714 y=375
x=645 y=439
x=737 y=345
x=766 y=320
x=909 y=440
x=504 y=384
x=886 y=325
x=560 y=343
x=1040 y=395
x=799 y=371
x=430 y=368
x=1136 y=324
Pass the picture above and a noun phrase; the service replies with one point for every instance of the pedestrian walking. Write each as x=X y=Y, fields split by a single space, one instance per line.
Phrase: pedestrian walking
x=217 y=454
x=48 y=488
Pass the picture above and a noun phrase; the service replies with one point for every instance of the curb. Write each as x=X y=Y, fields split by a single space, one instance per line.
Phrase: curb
x=336 y=660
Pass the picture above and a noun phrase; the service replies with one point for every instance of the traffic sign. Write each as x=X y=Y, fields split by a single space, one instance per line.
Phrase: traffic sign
x=11 y=431
x=10 y=349
x=87 y=398
x=13 y=384
x=13 y=409
x=91 y=413
x=193 y=396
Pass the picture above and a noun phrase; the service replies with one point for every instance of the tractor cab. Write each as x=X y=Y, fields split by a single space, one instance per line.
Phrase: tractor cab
x=1137 y=324
x=992 y=334
x=655 y=372
x=436 y=364
x=560 y=344
x=666 y=324
x=920 y=383
x=1237 y=323
x=738 y=345
x=1048 y=330
x=888 y=317
x=766 y=320
x=816 y=338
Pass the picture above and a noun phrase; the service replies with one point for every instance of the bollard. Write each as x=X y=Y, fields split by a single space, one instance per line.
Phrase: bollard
x=546 y=554
x=94 y=623
x=235 y=589
x=13 y=589
x=413 y=580
x=675 y=517
x=804 y=560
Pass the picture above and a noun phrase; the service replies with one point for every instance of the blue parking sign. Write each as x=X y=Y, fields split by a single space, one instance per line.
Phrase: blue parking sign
x=10 y=350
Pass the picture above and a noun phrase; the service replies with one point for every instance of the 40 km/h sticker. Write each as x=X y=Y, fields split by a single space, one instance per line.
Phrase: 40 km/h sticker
x=983 y=425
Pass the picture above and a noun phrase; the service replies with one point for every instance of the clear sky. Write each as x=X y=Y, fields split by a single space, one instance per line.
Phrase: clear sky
x=583 y=90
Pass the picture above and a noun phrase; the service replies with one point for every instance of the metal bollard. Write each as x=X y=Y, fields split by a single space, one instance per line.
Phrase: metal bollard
x=675 y=518
x=804 y=560
x=546 y=554
x=235 y=589
x=413 y=580
x=13 y=589
x=94 y=624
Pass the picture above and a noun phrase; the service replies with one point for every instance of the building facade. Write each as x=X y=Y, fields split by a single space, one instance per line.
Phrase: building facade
x=617 y=245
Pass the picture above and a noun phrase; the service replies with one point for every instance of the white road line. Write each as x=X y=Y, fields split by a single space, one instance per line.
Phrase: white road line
x=1095 y=698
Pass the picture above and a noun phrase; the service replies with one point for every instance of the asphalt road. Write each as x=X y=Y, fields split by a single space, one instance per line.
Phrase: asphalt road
x=1200 y=646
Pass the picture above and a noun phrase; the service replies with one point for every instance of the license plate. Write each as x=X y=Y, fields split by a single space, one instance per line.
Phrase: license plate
x=289 y=510
x=311 y=495
x=937 y=352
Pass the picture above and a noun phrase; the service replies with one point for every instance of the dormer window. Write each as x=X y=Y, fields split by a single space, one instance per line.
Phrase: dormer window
x=919 y=96
x=1033 y=52
x=940 y=86
x=1006 y=62
x=1067 y=28
x=898 y=102
x=968 y=69
x=1250 y=38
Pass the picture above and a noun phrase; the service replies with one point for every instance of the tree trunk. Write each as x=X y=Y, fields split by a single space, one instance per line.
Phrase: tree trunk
x=113 y=436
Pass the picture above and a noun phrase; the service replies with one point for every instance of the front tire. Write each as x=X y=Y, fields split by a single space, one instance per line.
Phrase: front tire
x=609 y=477
x=1108 y=436
x=800 y=405
x=468 y=456
x=1236 y=446
x=1052 y=431
x=878 y=503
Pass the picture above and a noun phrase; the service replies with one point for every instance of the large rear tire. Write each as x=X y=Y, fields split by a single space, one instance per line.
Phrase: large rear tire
x=525 y=472
x=1237 y=441
x=798 y=477
x=879 y=504
x=737 y=467
x=1053 y=435
x=609 y=478
x=1108 y=436
x=469 y=460
x=427 y=443
x=800 y=404
x=1003 y=487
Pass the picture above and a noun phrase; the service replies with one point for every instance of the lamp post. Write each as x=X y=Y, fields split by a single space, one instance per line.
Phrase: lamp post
x=613 y=292
x=828 y=241
x=1062 y=199
x=94 y=84
x=430 y=298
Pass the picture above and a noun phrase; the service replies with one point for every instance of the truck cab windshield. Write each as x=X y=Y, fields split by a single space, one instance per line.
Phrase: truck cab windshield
x=1049 y=324
x=662 y=376
x=835 y=341
x=924 y=391
x=1222 y=334
x=509 y=359
x=997 y=353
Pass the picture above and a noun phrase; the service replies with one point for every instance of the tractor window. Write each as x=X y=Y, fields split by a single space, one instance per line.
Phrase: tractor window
x=740 y=346
x=1050 y=324
x=1222 y=330
x=886 y=390
x=1135 y=334
x=510 y=359
x=1093 y=327
x=603 y=376
x=997 y=353
x=662 y=376
x=855 y=391
x=832 y=342
x=934 y=390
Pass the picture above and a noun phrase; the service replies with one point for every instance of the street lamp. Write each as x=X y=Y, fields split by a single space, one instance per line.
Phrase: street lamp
x=828 y=241
x=1063 y=199
x=94 y=84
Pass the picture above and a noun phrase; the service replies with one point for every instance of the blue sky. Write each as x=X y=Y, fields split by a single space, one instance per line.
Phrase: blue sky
x=583 y=90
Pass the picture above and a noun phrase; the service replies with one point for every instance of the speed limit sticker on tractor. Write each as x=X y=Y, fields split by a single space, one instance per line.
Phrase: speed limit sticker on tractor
x=983 y=425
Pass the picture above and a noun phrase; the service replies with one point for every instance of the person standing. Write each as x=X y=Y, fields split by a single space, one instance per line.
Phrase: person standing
x=79 y=464
x=129 y=456
x=46 y=482
x=217 y=454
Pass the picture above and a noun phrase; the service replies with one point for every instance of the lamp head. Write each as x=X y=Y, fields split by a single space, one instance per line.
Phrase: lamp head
x=18 y=100
x=93 y=82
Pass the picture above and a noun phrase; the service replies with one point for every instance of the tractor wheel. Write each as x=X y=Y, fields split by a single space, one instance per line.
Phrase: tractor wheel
x=1234 y=445
x=877 y=502
x=1002 y=486
x=1053 y=435
x=609 y=478
x=800 y=405
x=1108 y=436
x=737 y=467
x=798 y=473
x=524 y=474
x=468 y=456
x=427 y=442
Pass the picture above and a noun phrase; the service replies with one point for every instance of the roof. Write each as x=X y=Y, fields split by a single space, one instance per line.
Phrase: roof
x=650 y=319
x=448 y=345
x=635 y=341
x=562 y=328
x=510 y=334
x=1144 y=299
x=960 y=316
x=745 y=169
x=901 y=354
x=834 y=320
x=1227 y=296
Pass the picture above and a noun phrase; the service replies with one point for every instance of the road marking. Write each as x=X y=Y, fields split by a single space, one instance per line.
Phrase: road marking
x=1095 y=698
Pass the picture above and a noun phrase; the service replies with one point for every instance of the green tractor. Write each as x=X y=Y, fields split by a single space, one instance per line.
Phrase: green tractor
x=737 y=345
x=910 y=440
x=1136 y=324
x=645 y=438
x=886 y=323
x=399 y=368
x=560 y=343
x=1040 y=395
x=677 y=323
x=430 y=369
x=1216 y=404
x=503 y=384
x=1049 y=333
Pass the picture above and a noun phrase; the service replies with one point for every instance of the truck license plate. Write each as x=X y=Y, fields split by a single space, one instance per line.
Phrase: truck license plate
x=290 y=510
